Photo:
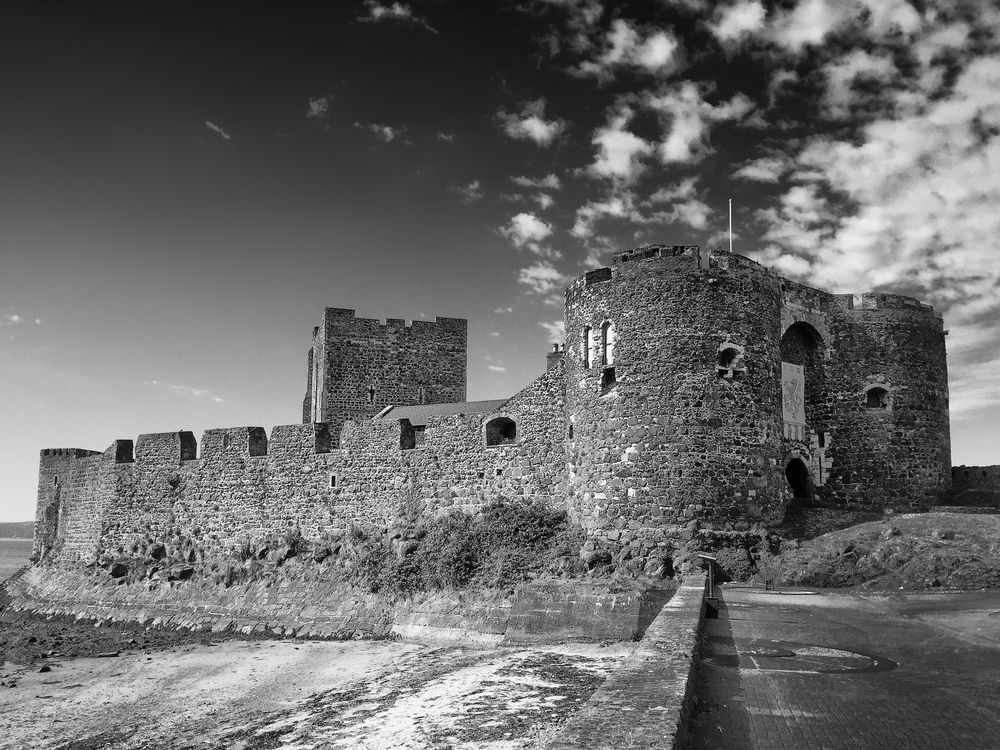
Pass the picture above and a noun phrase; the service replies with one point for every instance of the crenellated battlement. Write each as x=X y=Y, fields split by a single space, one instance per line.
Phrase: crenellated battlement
x=68 y=453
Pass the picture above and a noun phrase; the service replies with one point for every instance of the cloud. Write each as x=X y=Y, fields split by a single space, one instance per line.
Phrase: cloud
x=766 y=169
x=810 y=22
x=216 y=129
x=525 y=230
x=686 y=206
x=385 y=133
x=496 y=368
x=688 y=119
x=470 y=193
x=398 y=12
x=319 y=107
x=185 y=390
x=544 y=279
x=549 y=182
x=736 y=22
x=625 y=46
x=908 y=204
x=619 y=204
x=556 y=329
x=530 y=124
x=544 y=200
x=843 y=72
x=619 y=151
x=503 y=310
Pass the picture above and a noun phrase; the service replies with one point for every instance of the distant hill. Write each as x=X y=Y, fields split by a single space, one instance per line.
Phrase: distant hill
x=17 y=529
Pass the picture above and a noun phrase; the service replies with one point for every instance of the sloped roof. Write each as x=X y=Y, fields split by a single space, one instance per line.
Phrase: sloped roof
x=418 y=415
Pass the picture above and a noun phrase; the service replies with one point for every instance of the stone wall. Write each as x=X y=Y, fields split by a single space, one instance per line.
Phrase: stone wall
x=304 y=605
x=976 y=485
x=243 y=487
x=357 y=367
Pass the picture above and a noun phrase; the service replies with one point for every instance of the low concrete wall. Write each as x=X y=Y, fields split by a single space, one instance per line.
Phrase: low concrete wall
x=647 y=702
x=564 y=610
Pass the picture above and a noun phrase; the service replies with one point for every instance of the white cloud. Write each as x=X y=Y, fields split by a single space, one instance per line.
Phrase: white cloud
x=471 y=193
x=395 y=11
x=619 y=204
x=734 y=22
x=544 y=200
x=503 y=310
x=185 y=390
x=685 y=205
x=525 y=230
x=886 y=16
x=216 y=129
x=385 y=133
x=556 y=330
x=496 y=368
x=544 y=279
x=445 y=137
x=619 y=151
x=15 y=318
x=530 y=124
x=766 y=169
x=810 y=22
x=319 y=107
x=548 y=182
x=624 y=46
x=688 y=119
x=843 y=72
x=908 y=203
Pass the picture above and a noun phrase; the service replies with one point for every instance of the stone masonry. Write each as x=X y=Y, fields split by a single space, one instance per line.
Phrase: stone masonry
x=694 y=391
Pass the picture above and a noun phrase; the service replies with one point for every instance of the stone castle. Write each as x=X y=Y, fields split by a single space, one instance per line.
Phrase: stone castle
x=694 y=391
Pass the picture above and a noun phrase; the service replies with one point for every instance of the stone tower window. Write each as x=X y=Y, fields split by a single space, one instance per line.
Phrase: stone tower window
x=729 y=363
x=586 y=347
x=420 y=395
x=607 y=343
x=877 y=398
x=333 y=481
x=500 y=431
x=608 y=379
x=371 y=394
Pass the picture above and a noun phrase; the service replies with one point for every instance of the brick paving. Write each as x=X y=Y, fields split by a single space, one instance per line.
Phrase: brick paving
x=831 y=671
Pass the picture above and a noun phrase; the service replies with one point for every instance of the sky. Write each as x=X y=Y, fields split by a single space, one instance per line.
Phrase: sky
x=185 y=185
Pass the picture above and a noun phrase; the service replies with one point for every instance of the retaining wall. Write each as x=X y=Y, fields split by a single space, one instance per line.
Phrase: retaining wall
x=647 y=702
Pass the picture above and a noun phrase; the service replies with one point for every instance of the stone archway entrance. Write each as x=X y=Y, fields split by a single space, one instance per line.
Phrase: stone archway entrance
x=797 y=474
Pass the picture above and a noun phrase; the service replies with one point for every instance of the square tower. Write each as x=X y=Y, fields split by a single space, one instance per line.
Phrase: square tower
x=357 y=366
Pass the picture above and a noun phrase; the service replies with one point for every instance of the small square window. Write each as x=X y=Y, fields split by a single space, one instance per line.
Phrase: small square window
x=608 y=379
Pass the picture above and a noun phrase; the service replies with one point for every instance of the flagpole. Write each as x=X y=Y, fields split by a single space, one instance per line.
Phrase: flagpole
x=730 y=225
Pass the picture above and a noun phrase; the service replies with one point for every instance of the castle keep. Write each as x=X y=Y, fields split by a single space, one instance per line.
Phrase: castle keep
x=694 y=391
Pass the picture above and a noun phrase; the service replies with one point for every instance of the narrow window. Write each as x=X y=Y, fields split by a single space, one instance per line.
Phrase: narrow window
x=225 y=442
x=55 y=480
x=571 y=432
x=607 y=343
x=586 y=347
x=333 y=481
x=371 y=394
x=500 y=431
x=420 y=395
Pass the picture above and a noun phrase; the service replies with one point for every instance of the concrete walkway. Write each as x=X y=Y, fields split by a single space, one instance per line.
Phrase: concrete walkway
x=833 y=670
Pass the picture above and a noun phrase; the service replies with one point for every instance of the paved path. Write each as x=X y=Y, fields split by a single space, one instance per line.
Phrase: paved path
x=832 y=670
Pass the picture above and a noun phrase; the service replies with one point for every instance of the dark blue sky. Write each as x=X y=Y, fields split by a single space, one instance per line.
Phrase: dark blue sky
x=184 y=186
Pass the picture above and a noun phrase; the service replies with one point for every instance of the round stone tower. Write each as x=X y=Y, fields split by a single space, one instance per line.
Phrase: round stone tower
x=673 y=399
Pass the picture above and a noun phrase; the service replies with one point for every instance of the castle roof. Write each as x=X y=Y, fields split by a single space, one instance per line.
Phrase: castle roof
x=418 y=415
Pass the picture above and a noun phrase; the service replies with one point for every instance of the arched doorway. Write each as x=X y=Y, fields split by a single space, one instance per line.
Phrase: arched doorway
x=797 y=474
